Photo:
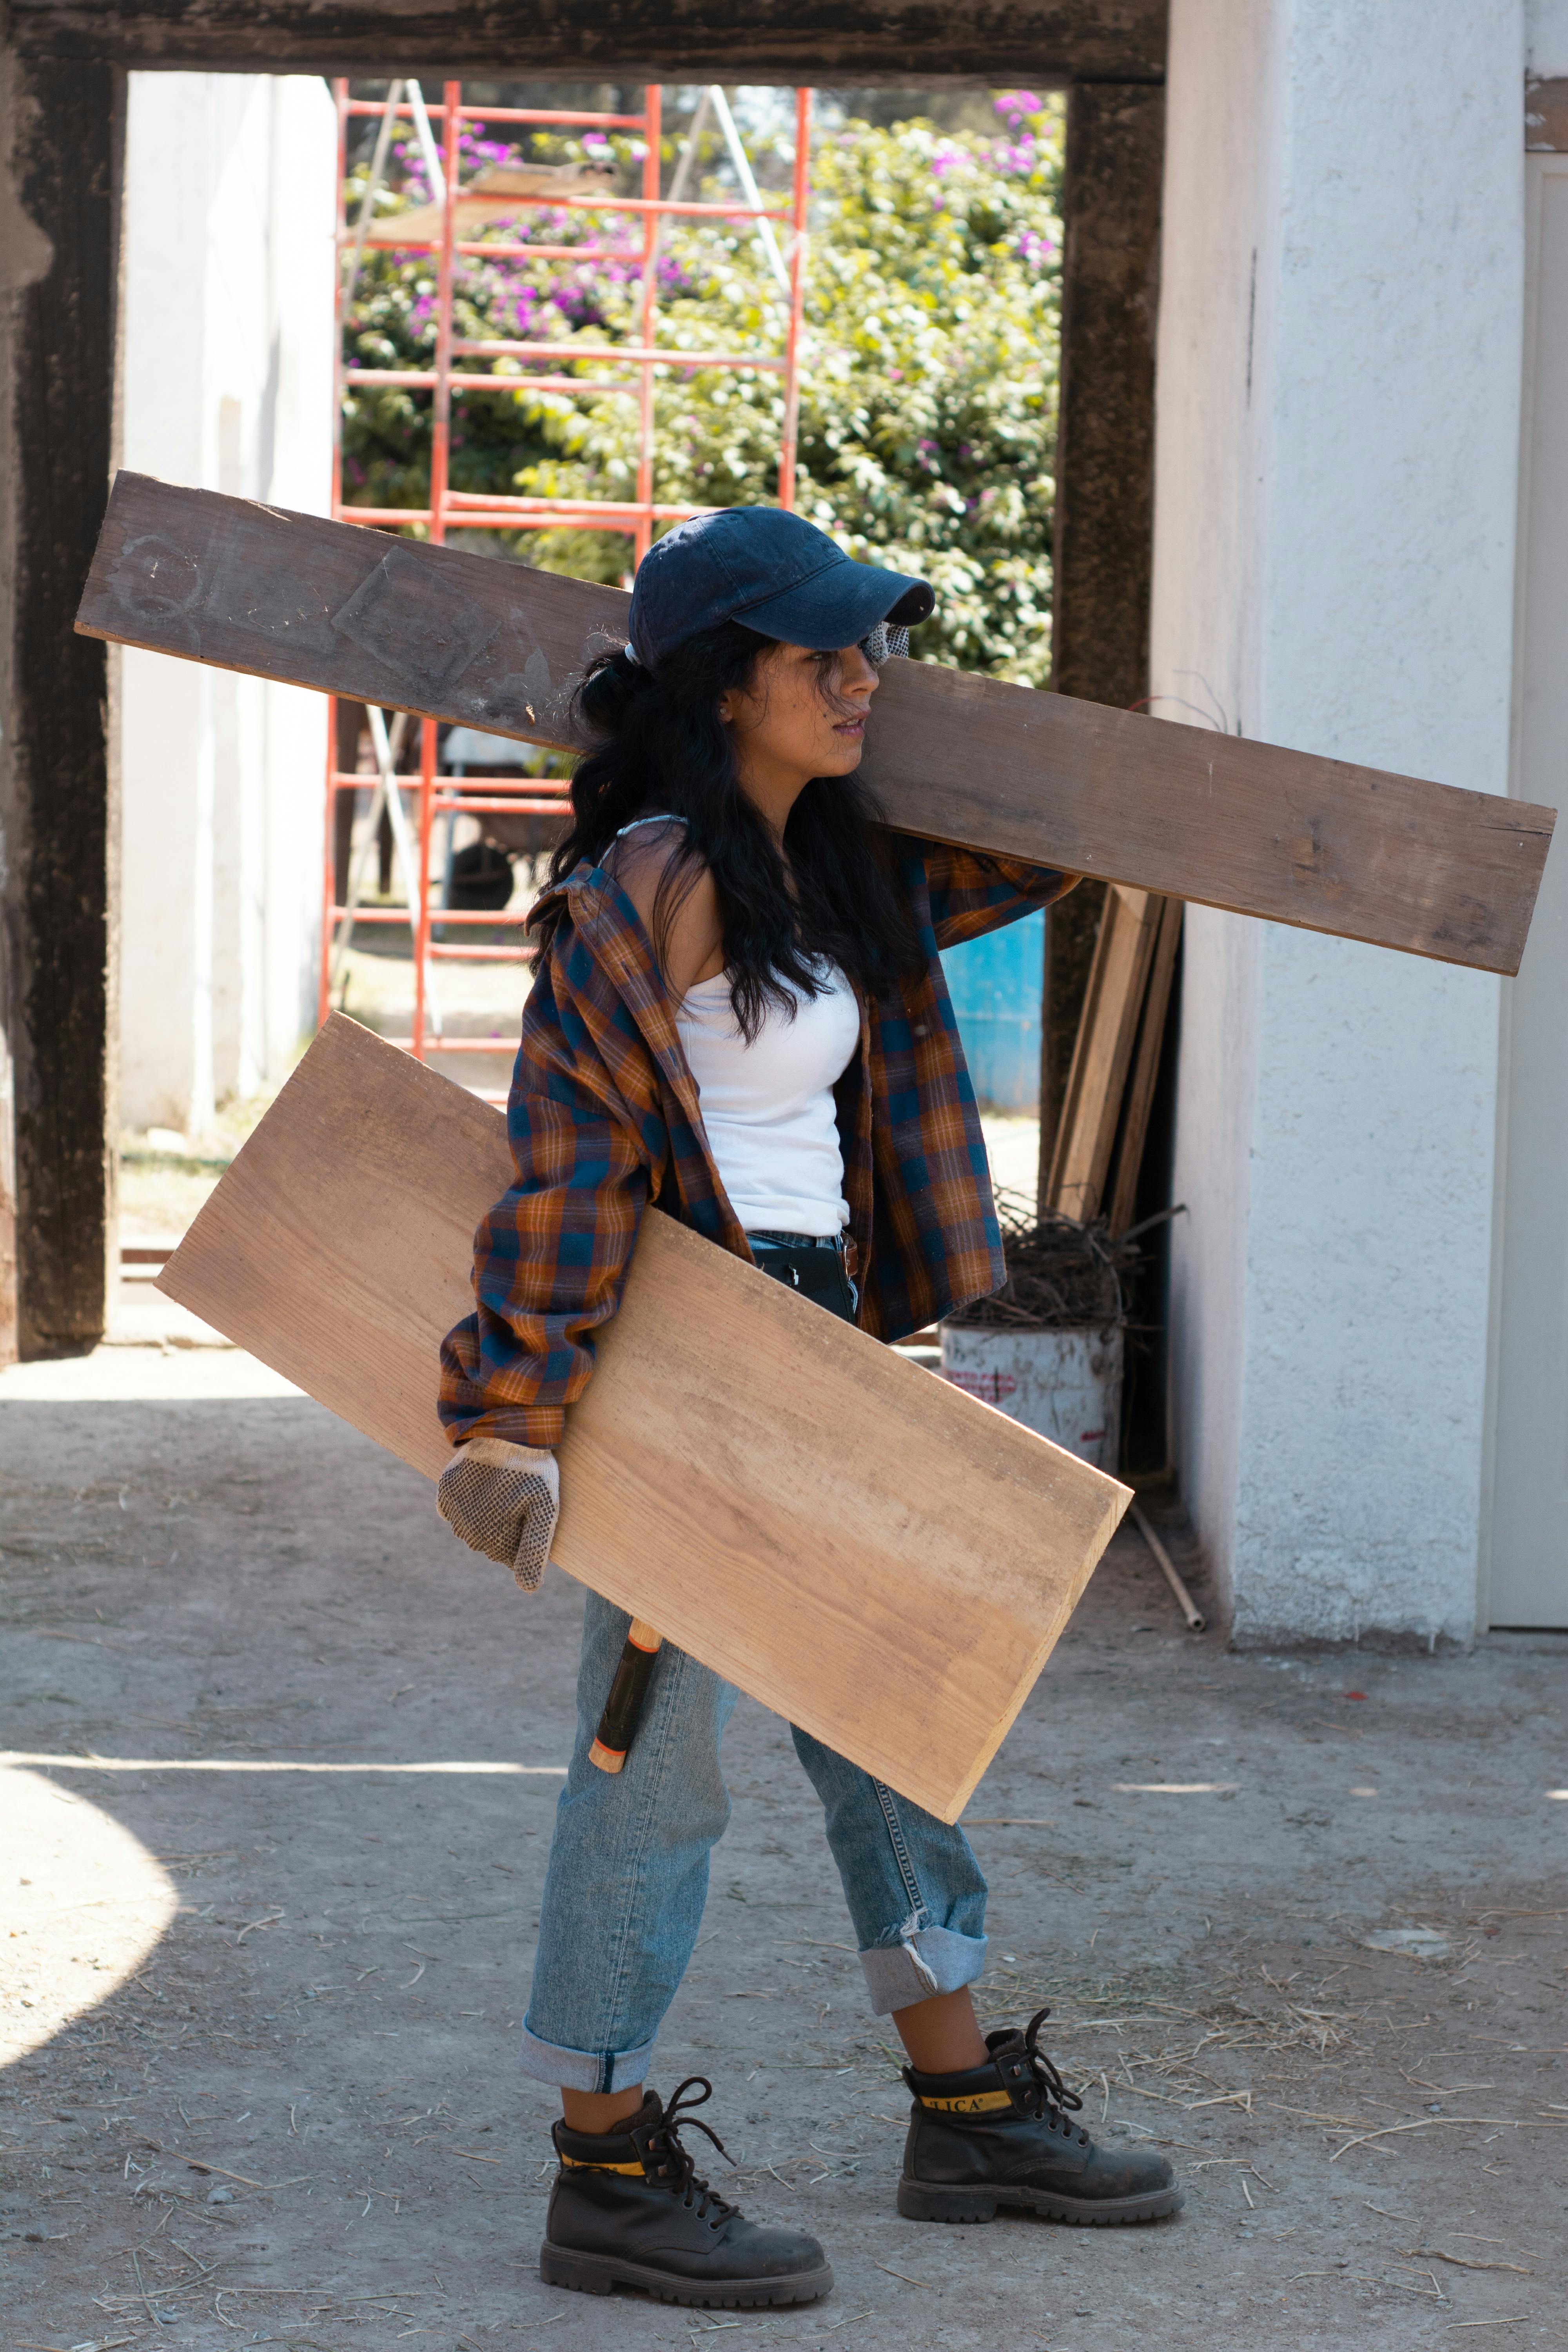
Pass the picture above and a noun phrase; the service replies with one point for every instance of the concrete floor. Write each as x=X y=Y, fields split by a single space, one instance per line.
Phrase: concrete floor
x=201 y=1567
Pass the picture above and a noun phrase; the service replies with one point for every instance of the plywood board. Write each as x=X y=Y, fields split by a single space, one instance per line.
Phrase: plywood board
x=1429 y=869
x=880 y=1559
x=1102 y=1056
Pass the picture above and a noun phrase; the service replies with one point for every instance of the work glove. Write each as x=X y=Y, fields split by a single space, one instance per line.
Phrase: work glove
x=503 y=1500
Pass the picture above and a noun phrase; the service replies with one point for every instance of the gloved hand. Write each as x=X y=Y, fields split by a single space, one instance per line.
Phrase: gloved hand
x=503 y=1500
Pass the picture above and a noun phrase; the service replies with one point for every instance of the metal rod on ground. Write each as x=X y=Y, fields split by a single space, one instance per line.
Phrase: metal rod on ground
x=623 y=1708
x=1185 y=1601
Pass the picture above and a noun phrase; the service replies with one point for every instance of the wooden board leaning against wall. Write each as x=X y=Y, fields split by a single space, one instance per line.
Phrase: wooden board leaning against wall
x=1097 y=1152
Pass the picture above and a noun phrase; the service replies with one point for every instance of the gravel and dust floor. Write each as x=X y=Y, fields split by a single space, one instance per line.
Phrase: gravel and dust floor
x=1189 y=1851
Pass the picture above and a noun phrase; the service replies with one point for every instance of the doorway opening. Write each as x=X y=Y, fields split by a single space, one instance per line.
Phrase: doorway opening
x=572 y=316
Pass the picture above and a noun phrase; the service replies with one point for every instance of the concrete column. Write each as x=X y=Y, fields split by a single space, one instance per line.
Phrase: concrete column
x=1339 y=376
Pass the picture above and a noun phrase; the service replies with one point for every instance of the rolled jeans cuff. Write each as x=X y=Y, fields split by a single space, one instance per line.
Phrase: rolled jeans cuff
x=583 y=2070
x=932 y=1961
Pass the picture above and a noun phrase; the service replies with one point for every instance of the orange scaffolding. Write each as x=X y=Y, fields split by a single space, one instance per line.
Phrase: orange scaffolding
x=636 y=368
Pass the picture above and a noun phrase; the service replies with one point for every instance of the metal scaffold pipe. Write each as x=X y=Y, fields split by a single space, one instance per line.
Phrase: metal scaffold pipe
x=455 y=226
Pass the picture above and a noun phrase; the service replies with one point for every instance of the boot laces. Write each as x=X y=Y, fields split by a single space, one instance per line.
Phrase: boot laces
x=674 y=2167
x=1047 y=2095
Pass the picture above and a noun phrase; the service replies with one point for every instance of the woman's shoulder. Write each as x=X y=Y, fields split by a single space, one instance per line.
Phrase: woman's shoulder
x=644 y=853
x=647 y=842
x=674 y=894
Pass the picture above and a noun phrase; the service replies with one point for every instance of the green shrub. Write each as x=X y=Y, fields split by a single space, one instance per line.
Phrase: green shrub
x=929 y=382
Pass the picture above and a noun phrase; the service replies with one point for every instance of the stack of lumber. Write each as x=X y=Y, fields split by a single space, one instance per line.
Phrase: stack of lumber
x=1104 y=1123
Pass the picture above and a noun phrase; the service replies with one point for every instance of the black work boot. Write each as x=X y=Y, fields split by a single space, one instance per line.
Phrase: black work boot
x=627 y=2210
x=1001 y=2135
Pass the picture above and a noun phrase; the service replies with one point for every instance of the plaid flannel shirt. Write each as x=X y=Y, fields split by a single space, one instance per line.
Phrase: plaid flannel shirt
x=603 y=1118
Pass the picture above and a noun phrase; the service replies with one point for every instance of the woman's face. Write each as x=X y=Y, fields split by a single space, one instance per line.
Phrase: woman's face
x=802 y=715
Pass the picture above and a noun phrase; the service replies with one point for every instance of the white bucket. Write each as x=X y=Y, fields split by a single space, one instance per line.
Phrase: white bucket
x=1065 y=1384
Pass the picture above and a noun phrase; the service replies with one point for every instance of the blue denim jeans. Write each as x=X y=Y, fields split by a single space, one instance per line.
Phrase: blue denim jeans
x=628 y=1864
x=628 y=1873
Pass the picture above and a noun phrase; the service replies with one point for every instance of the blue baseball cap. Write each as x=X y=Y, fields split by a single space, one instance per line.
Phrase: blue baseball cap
x=776 y=573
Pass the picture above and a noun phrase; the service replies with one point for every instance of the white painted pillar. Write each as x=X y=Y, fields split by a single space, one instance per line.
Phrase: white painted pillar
x=291 y=811
x=164 y=707
x=228 y=377
x=1338 y=398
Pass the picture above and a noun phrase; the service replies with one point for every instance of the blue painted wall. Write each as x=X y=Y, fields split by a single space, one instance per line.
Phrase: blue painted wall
x=995 y=984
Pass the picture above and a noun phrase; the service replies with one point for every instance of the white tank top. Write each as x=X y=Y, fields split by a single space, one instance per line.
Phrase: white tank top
x=768 y=1107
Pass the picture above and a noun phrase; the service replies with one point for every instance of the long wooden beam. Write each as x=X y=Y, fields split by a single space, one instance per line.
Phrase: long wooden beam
x=866 y=1551
x=891 y=42
x=1428 y=868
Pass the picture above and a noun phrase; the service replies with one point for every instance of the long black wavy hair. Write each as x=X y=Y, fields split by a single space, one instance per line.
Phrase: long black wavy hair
x=662 y=747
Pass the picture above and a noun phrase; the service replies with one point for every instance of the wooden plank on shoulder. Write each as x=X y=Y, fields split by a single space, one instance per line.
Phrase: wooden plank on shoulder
x=1431 y=869
x=880 y=1559
x=294 y=597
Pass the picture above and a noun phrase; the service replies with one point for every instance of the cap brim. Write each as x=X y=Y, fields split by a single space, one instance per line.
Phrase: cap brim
x=841 y=604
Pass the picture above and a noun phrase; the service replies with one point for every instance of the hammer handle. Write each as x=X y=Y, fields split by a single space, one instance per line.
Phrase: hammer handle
x=618 y=1723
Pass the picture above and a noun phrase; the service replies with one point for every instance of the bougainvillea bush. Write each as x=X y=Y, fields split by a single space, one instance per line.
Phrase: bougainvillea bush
x=929 y=382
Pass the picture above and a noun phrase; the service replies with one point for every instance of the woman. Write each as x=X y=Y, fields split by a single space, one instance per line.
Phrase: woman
x=739 y=1013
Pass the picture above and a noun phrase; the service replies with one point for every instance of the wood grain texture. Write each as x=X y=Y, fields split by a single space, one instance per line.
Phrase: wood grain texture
x=1428 y=868
x=681 y=40
x=1102 y=1058
x=1140 y=1094
x=862 y=1548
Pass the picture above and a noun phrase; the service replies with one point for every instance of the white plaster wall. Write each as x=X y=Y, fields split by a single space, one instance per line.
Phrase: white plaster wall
x=1336 y=465
x=228 y=383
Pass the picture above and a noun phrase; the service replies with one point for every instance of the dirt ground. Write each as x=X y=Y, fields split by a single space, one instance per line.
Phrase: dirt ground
x=1191 y=1854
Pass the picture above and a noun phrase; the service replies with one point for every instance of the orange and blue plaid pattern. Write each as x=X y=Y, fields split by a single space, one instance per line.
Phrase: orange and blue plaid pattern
x=603 y=1119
